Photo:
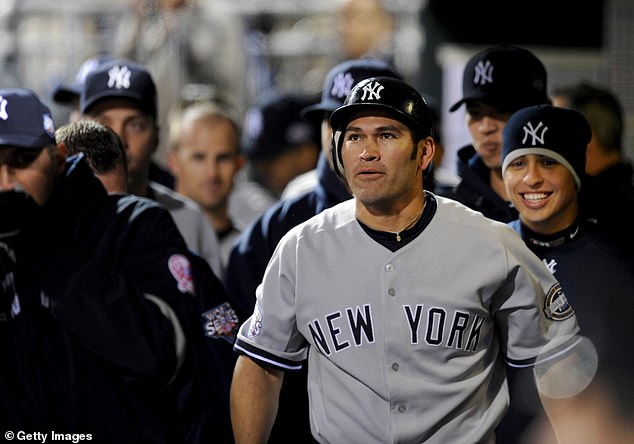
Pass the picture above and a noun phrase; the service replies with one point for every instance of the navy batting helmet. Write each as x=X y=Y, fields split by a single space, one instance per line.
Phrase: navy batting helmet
x=385 y=96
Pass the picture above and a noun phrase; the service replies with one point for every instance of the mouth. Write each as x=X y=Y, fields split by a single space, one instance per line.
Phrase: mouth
x=535 y=197
x=535 y=200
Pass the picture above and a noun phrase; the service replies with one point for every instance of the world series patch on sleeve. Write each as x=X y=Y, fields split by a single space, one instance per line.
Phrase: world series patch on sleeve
x=221 y=322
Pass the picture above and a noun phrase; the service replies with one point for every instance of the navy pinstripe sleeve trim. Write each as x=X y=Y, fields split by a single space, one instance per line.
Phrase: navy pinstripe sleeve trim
x=265 y=358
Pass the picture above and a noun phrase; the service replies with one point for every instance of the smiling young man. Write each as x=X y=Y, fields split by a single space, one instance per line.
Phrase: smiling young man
x=544 y=152
x=399 y=349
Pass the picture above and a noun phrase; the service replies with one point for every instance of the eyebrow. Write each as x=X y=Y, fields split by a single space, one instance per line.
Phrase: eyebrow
x=379 y=129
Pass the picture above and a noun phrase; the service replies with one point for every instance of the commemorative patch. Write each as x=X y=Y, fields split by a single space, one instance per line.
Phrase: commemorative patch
x=556 y=306
x=221 y=322
x=181 y=270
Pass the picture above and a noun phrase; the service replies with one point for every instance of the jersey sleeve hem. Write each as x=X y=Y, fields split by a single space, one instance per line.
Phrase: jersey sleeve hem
x=265 y=358
x=552 y=354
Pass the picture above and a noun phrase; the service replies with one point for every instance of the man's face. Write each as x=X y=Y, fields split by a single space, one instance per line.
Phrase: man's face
x=32 y=169
x=381 y=164
x=485 y=124
x=543 y=191
x=206 y=162
x=137 y=130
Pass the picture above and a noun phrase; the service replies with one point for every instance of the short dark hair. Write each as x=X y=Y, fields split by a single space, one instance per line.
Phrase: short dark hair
x=102 y=147
x=601 y=108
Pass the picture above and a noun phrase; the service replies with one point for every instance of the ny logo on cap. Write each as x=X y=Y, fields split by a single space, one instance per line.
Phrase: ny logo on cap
x=532 y=132
x=3 y=108
x=119 y=77
x=372 y=91
x=483 y=73
x=48 y=124
x=342 y=85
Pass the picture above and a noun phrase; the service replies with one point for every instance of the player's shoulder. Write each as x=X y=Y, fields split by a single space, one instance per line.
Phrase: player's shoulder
x=452 y=213
x=173 y=200
x=134 y=205
x=330 y=220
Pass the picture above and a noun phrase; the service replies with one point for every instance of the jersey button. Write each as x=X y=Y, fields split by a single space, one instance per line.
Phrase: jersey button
x=391 y=292
x=389 y=267
x=395 y=366
x=402 y=408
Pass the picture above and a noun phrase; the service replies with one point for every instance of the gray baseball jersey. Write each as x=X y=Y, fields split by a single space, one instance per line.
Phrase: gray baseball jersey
x=405 y=346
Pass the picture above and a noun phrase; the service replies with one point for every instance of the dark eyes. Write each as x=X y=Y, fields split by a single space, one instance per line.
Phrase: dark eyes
x=19 y=158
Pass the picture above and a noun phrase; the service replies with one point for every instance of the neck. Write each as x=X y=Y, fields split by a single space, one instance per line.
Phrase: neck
x=219 y=219
x=392 y=221
x=138 y=185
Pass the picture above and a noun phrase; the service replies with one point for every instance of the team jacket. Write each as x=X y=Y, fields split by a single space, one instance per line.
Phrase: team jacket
x=99 y=319
x=474 y=190
x=595 y=275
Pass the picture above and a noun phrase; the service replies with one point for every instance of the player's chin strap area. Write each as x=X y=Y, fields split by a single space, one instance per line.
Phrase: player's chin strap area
x=335 y=153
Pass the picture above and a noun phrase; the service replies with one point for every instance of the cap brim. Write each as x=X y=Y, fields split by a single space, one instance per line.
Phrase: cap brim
x=456 y=105
x=24 y=141
x=65 y=94
x=312 y=111
x=110 y=94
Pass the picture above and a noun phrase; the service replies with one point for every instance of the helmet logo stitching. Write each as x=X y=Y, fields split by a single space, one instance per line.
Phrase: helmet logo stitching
x=532 y=132
x=372 y=91
x=483 y=73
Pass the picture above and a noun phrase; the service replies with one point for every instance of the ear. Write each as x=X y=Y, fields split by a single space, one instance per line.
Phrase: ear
x=60 y=155
x=240 y=161
x=426 y=151
x=172 y=162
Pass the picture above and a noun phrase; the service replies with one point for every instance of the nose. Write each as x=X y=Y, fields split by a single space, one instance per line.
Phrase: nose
x=370 y=151
x=7 y=179
x=487 y=124
x=533 y=175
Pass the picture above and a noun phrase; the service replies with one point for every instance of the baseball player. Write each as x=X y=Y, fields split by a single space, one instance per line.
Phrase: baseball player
x=497 y=81
x=255 y=246
x=122 y=95
x=99 y=321
x=544 y=157
x=406 y=304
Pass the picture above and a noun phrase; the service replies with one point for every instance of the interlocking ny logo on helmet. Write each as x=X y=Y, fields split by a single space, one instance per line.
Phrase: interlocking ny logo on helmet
x=386 y=96
x=372 y=91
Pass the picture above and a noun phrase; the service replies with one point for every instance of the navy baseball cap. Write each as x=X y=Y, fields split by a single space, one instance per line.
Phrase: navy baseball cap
x=64 y=93
x=341 y=79
x=274 y=125
x=119 y=78
x=559 y=133
x=506 y=77
x=25 y=121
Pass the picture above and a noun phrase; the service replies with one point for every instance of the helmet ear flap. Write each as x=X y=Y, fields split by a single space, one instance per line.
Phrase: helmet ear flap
x=335 y=153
